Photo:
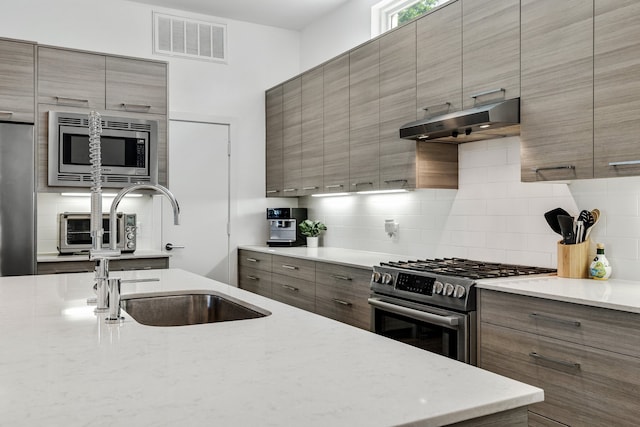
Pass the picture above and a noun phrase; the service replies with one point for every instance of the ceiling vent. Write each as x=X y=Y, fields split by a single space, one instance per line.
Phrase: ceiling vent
x=188 y=38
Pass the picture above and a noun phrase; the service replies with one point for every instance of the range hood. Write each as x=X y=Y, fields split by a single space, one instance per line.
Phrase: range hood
x=487 y=121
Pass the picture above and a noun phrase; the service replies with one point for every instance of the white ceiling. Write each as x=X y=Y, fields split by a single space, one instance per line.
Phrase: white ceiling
x=290 y=14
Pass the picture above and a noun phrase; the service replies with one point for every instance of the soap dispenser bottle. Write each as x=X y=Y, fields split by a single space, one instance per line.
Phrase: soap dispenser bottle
x=600 y=268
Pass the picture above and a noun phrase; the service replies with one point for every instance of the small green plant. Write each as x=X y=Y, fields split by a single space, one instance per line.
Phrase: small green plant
x=311 y=228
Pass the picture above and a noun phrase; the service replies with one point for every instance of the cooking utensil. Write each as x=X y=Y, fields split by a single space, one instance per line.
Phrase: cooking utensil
x=552 y=219
x=566 y=227
x=596 y=217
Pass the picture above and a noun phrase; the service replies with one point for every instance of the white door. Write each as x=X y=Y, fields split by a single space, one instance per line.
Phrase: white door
x=199 y=179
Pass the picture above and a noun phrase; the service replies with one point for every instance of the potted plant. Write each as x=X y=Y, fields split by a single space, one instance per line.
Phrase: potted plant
x=311 y=229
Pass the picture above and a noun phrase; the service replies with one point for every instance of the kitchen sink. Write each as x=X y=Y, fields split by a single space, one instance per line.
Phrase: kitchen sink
x=183 y=308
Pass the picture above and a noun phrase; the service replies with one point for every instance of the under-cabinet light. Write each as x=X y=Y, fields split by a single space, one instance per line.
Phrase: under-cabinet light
x=329 y=194
x=382 y=191
x=103 y=194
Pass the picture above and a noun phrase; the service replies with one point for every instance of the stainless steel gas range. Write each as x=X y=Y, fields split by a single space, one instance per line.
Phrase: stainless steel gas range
x=431 y=304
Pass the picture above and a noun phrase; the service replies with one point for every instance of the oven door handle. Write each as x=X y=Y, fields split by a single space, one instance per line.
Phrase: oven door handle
x=436 y=319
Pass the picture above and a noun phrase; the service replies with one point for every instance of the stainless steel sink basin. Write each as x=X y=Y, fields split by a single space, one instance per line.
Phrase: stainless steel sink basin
x=183 y=308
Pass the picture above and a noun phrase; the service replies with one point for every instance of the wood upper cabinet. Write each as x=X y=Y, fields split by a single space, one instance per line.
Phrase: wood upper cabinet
x=274 y=142
x=336 y=125
x=616 y=88
x=364 y=117
x=490 y=50
x=17 y=82
x=312 y=131
x=136 y=85
x=292 y=137
x=557 y=90
x=439 y=61
x=71 y=78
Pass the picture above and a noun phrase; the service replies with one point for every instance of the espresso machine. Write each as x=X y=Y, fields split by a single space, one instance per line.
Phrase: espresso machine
x=283 y=226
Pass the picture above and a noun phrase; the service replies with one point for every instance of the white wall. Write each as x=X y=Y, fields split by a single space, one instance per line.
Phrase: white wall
x=259 y=58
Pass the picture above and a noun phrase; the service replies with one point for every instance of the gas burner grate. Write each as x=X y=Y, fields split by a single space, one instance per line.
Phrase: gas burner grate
x=460 y=267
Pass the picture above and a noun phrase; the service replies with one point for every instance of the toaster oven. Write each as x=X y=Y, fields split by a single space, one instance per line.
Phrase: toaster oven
x=74 y=232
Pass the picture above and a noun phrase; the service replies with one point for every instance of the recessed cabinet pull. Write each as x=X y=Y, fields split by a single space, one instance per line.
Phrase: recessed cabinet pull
x=135 y=107
x=625 y=163
x=252 y=260
x=289 y=267
x=341 y=302
x=564 y=363
x=66 y=101
x=336 y=276
x=334 y=186
x=355 y=184
x=252 y=278
x=487 y=92
x=6 y=113
x=575 y=323
x=290 y=288
x=550 y=168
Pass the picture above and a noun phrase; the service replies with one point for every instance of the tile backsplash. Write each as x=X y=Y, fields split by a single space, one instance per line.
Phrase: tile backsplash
x=492 y=216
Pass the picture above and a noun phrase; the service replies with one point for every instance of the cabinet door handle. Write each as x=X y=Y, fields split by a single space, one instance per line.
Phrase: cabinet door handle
x=272 y=191
x=135 y=107
x=337 y=276
x=487 y=92
x=290 y=288
x=575 y=323
x=341 y=302
x=309 y=188
x=289 y=267
x=391 y=181
x=356 y=184
x=625 y=163
x=253 y=278
x=444 y=104
x=70 y=101
x=566 y=364
x=6 y=113
x=550 y=168
x=334 y=186
x=288 y=190
x=252 y=260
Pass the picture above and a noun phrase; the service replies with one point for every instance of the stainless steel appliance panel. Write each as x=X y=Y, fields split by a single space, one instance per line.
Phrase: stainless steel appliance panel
x=17 y=203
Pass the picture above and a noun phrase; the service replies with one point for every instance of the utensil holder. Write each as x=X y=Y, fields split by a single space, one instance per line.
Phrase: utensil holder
x=573 y=260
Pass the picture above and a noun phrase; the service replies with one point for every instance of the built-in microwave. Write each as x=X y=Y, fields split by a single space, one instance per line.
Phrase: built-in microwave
x=128 y=149
x=74 y=232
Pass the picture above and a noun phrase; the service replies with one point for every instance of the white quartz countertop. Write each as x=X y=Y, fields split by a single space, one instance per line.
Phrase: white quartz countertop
x=615 y=294
x=56 y=257
x=60 y=364
x=348 y=257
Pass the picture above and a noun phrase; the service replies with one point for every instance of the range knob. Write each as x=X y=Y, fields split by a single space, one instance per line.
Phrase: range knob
x=375 y=277
x=130 y=236
x=387 y=279
x=459 y=291
x=437 y=287
x=448 y=289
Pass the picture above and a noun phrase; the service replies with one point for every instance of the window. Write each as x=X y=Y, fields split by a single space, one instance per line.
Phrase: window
x=389 y=14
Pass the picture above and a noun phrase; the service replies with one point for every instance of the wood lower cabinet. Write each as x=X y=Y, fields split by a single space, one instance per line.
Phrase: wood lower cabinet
x=17 y=81
x=586 y=359
x=60 y=267
x=331 y=290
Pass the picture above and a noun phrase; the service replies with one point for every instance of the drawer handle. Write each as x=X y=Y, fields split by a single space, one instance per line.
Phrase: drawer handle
x=289 y=267
x=626 y=163
x=272 y=191
x=555 y=319
x=393 y=181
x=135 y=107
x=336 y=276
x=66 y=101
x=289 y=190
x=356 y=184
x=572 y=365
x=252 y=260
x=309 y=188
x=252 y=278
x=552 y=168
x=6 y=113
x=290 y=288
x=341 y=302
x=334 y=186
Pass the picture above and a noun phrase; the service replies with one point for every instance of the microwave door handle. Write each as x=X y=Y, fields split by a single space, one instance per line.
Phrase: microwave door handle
x=435 y=319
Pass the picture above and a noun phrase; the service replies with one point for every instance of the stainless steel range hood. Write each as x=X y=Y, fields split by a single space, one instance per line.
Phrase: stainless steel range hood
x=478 y=123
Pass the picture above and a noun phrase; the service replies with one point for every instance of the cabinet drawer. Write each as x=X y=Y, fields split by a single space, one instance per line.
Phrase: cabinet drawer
x=295 y=292
x=576 y=323
x=294 y=267
x=342 y=293
x=256 y=260
x=256 y=281
x=582 y=385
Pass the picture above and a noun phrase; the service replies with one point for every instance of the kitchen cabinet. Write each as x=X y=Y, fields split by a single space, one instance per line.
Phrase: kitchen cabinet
x=490 y=51
x=557 y=90
x=312 y=129
x=616 y=88
x=134 y=85
x=274 y=142
x=364 y=117
x=293 y=282
x=123 y=264
x=17 y=81
x=254 y=272
x=292 y=137
x=587 y=359
x=336 y=125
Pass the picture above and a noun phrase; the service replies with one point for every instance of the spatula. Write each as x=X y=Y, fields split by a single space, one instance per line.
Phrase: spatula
x=552 y=219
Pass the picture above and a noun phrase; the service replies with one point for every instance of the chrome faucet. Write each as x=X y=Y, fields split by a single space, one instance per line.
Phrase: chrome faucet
x=102 y=256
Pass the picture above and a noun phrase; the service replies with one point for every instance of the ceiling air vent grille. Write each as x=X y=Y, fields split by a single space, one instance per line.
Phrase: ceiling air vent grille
x=177 y=36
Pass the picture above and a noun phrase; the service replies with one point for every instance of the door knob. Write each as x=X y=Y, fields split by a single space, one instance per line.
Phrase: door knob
x=170 y=246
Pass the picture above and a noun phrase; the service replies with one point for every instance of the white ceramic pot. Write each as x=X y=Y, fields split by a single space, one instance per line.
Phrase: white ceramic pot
x=312 y=242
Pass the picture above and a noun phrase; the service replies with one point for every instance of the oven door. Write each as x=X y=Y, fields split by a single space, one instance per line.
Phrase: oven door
x=440 y=331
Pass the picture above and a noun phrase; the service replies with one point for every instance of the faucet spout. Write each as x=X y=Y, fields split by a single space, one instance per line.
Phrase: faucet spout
x=153 y=187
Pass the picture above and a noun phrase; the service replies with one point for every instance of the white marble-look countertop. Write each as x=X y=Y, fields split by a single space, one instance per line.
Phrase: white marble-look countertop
x=60 y=364
x=140 y=253
x=615 y=294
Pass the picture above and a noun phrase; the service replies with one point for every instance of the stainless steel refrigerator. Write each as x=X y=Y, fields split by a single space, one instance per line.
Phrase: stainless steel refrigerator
x=17 y=200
